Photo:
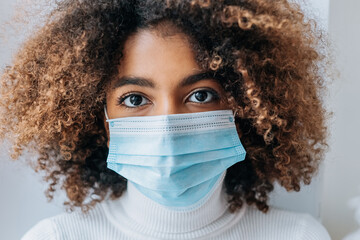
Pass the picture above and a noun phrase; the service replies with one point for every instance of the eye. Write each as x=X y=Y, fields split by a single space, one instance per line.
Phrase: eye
x=203 y=96
x=133 y=100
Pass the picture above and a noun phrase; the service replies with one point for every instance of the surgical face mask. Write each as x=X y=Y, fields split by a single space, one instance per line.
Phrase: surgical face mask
x=175 y=159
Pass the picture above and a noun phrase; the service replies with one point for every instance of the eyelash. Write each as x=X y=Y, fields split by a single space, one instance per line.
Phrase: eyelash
x=122 y=98
x=209 y=90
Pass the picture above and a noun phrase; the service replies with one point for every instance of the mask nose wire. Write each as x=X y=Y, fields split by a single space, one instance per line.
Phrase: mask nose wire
x=107 y=117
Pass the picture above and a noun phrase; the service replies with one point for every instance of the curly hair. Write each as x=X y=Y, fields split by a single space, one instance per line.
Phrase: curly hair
x=271 y=60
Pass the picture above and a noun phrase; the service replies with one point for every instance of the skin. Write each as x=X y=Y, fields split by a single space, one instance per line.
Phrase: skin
x=159 y=76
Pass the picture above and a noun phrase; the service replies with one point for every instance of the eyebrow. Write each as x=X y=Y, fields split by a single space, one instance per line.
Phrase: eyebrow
x=130 y=80
x=144 y=82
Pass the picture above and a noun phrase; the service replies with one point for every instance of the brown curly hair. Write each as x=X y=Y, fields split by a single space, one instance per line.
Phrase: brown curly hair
x=272 y=63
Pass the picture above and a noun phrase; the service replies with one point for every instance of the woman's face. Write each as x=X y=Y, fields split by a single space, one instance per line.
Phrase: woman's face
x=159 y=76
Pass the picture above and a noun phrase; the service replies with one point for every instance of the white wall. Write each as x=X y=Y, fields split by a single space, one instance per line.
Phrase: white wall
x=341 y=175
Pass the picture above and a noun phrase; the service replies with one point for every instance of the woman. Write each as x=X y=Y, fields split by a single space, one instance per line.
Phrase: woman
x=136 y=109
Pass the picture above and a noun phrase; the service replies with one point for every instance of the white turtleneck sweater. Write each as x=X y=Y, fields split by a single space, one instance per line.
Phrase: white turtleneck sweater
x=134 y=216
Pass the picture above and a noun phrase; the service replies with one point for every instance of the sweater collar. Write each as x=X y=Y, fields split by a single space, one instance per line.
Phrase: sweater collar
x=142 y=214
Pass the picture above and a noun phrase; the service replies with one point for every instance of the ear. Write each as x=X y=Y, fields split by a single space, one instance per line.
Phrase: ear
x=106 y=125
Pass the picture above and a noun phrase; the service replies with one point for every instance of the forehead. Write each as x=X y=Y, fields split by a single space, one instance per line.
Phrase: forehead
x=150 y=54
x=144 y=41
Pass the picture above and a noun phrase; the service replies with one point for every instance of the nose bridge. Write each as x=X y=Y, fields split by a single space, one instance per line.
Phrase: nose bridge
x=168 y=104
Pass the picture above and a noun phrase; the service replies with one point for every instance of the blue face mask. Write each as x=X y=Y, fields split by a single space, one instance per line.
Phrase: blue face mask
x=175 y=159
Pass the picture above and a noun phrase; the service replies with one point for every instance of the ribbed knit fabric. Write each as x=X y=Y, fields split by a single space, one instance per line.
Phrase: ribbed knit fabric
x=134 y=216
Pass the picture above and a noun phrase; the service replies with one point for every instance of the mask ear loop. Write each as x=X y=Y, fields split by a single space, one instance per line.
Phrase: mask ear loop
x=235 y=113
x=107 y=117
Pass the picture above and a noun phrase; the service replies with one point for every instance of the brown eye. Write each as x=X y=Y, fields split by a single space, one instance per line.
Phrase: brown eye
x=203 y=96
x=134 y=100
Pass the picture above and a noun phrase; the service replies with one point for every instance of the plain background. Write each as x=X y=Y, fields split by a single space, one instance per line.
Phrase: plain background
x=342 y=178
x=23 y=202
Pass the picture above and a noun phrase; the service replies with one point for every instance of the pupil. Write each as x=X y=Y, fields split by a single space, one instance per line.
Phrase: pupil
x=201 y=96
x=135 y=99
